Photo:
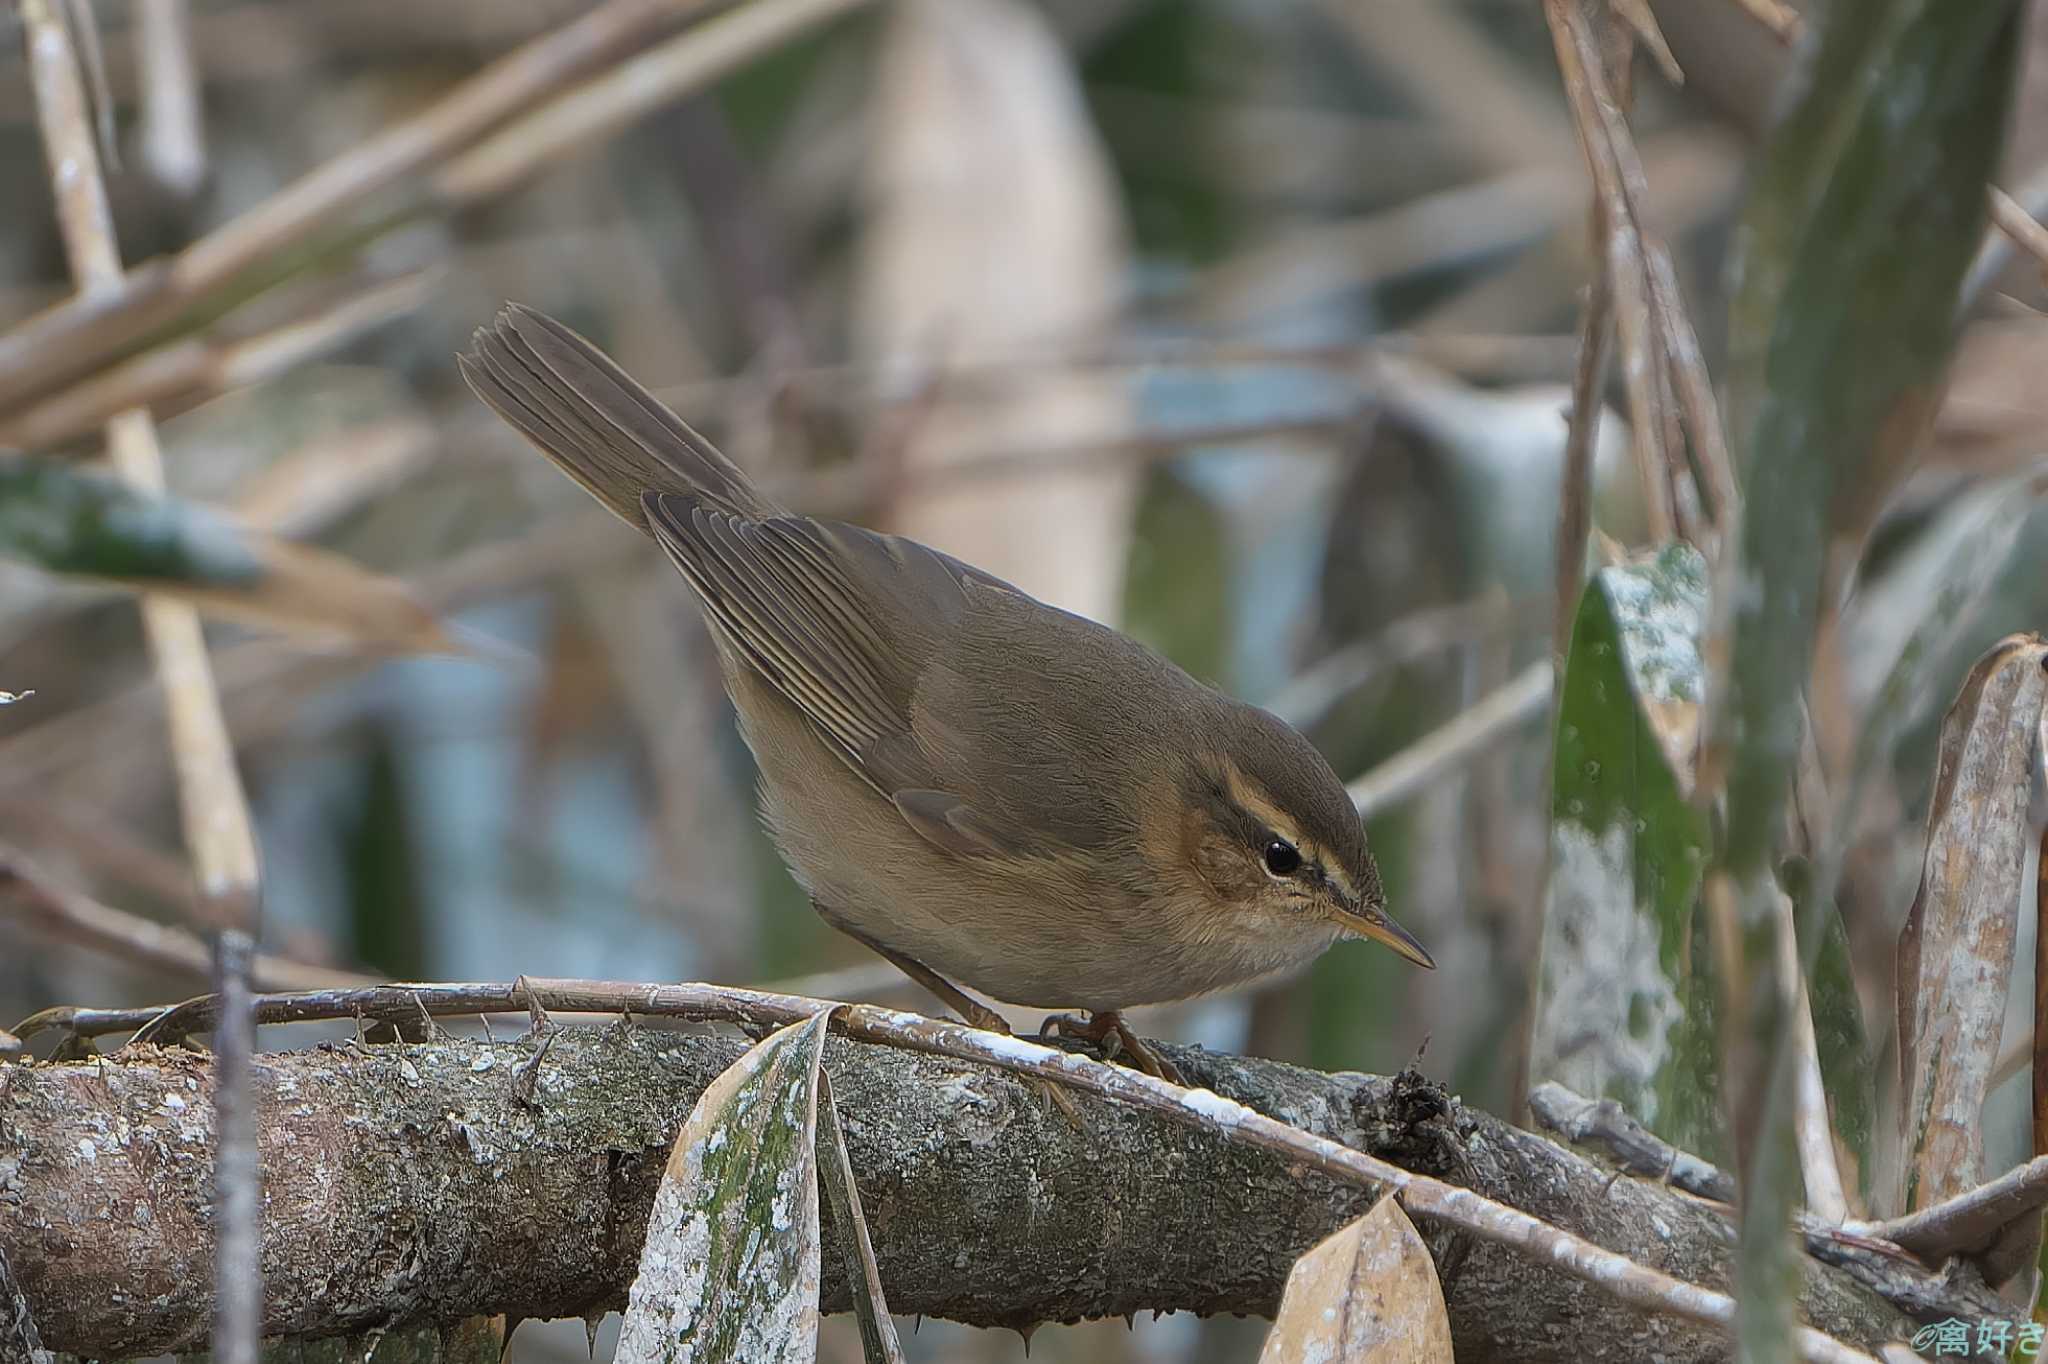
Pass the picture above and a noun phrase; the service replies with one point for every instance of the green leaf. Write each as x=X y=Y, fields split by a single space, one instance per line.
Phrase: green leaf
x=1848 y=1069
x=730 y=1268
x=88 y=526
x=67 y=522
x=1624 y=1008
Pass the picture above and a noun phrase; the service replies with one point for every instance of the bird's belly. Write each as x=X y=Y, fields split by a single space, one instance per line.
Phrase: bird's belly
x=1036 y=934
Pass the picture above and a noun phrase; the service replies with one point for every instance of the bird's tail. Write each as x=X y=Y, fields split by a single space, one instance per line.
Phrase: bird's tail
x=595 y=421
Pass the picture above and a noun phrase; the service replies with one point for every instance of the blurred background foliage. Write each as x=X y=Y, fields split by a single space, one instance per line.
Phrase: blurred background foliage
x=1259 y=318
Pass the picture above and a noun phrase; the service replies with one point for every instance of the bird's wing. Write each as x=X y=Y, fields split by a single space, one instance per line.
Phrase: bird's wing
x=838 y=620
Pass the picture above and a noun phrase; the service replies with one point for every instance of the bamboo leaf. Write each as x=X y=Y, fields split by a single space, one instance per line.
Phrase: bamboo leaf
x=84 y=525
x=1366 y=1295
x=730 y=1268
x=1866 y=206
x=879 y=1344
x=1624 y=1009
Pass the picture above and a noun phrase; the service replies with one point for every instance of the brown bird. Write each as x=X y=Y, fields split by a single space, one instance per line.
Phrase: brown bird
x=981 y=787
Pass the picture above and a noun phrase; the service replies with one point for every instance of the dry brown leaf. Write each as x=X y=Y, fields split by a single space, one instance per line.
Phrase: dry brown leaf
x=995 y=229
x=1367 y=1293
x=1956 y=951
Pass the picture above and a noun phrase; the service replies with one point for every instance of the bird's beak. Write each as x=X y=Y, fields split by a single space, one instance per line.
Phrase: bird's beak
x=1366 y=922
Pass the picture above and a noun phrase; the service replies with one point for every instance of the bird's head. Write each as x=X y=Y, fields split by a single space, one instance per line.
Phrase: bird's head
x=1268 y=829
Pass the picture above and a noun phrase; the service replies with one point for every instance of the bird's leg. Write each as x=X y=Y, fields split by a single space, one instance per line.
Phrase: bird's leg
x=972 y=1010
x=1108 y=1025
x=976 y=1013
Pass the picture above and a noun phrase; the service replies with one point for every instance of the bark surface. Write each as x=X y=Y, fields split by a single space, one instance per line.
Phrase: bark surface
x=419 y=1183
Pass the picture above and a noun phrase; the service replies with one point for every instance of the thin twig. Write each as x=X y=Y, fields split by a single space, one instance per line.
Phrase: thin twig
x=90 y=838
x=1864 y=1250
x=1695 y=393
x=1575 y=486
x=2025 y=231
x=2038 y=1080
x=1310 y=694
x=1616 y=170
x=1995 y=252
x=1970 y=1220
x=1420 y=1195
x=33 y=897
x=1605 y=1124
x=1474 y=356
x=185 y=373
x=1455 y=743
x=237 y=1176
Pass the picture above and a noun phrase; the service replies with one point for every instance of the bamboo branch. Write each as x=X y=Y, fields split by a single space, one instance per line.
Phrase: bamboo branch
x=497 y=1149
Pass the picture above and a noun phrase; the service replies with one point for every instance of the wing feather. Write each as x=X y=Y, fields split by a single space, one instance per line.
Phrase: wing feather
x=812 y=607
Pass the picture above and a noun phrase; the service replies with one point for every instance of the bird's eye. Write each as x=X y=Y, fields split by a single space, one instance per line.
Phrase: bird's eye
x=1282 y=858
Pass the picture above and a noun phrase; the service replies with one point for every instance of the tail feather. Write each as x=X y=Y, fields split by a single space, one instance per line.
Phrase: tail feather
x=596 y=422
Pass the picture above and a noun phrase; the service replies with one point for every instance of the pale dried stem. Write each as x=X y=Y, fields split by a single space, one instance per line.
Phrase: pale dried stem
x=1420 y=1196
x=1453 y=744
x=1610 y=156
x=1966 y=1224
x=2024 y=230
x=1780 y=18
x=1447 y=65
x=606 y=103
x=1995 y=252
x=1812 y=1128
x=185 y=373
x=1970 y=1220
x=39 y=901
x=1695 y=393
x=173 y=140
x=215 y=813
x=238 y=1279
x=216 y=817
x=75 y=336
x=1310 y=694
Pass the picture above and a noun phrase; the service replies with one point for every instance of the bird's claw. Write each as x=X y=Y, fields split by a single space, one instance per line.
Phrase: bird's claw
x=1108 y=1031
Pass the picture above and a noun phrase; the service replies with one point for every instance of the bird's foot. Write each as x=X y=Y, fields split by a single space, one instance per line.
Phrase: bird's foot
x=978 y=1015
x=1108 y=1030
